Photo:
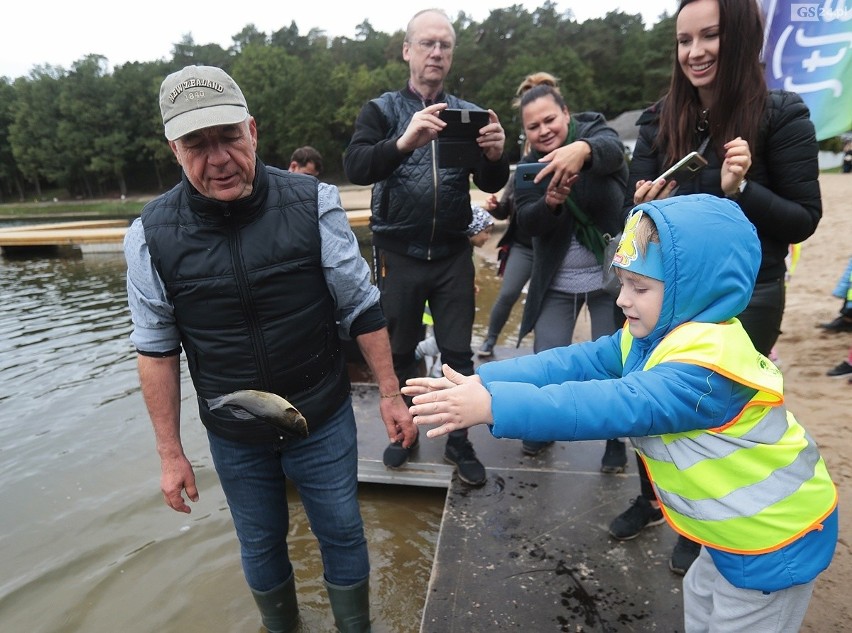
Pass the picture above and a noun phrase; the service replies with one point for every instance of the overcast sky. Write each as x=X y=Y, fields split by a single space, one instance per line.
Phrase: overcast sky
x=60 y=32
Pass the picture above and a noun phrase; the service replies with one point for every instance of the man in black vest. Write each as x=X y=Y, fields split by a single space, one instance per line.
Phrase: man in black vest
x=420 y=212
x=255 y=274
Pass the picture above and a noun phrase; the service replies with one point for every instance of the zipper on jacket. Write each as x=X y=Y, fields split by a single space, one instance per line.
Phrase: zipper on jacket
x=242 y=281
x=436 y=185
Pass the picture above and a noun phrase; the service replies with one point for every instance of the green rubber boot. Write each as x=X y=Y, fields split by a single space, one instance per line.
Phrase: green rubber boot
x=350 y=606
x=278 y=607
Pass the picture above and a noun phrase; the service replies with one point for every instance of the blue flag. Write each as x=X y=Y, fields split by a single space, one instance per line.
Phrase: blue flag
x=808 y=50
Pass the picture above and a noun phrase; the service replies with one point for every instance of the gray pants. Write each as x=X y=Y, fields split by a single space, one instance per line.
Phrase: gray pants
x=555 y=324
x=713 y=605
x=515 y=276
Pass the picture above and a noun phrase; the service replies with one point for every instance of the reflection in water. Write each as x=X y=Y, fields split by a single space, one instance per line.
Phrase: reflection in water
x=86 y=541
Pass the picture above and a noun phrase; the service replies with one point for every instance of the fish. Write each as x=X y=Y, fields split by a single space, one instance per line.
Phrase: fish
x=250 y=404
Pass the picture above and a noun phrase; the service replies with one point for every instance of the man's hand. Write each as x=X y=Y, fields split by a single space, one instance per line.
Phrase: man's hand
x=424 y=127
x=398 y=420
x=492 y=138
x=177 y=476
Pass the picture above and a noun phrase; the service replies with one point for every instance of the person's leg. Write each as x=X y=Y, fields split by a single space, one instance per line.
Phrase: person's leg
x=603 y=312
x=405 y=284
x=714 y=605
x=324 y=469
x=515 y=276
x=453 y=308
x=553 y=328
x=253 y=481
x=555 y=324
x=761 y=318
x=698 y=594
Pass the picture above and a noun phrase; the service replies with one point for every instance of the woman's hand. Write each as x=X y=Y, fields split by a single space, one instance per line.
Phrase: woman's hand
x=735 y=166
x=565 y=163
x=556 y=195
x=454 y=402
x=647 y=190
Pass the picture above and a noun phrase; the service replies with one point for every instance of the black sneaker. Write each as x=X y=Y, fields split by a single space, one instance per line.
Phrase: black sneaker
x=629 y=523
x=614 y=458
x=683 y=555
x=534 y=448
x=395 y=455
x=841 y=370
x=486 y=350
x=840 y=324
x=460 y=453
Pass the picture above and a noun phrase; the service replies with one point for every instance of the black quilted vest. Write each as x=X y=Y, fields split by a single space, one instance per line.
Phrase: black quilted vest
x=250 y=299
x=419 y=210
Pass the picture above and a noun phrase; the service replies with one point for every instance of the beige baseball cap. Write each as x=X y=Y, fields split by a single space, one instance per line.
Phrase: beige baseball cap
x=198 y=97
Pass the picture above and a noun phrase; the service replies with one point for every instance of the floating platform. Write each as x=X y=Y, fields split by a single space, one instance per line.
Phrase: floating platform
x=92 y=236
x=530 y=550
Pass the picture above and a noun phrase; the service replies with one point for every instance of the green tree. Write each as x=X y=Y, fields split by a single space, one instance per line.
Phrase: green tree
x=33 y=132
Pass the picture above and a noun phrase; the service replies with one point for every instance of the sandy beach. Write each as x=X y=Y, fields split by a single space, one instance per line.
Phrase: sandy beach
x=820 y=403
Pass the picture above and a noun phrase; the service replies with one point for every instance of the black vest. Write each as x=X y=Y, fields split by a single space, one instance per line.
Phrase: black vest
x=419 y=210
x=250 y=298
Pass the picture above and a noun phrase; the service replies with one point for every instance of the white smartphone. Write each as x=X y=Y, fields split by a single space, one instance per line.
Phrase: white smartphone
x=684 y=169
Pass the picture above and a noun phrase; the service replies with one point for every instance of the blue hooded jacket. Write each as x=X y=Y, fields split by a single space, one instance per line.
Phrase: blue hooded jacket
x=711 y=255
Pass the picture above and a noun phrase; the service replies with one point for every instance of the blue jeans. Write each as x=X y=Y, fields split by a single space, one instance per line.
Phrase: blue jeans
x=324 y=469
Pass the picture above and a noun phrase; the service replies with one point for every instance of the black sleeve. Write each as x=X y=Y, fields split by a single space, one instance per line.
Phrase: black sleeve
x=370 y=320
x=371 y=156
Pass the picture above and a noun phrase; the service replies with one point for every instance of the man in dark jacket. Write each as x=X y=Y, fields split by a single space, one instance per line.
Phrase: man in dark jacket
x=420 y=211
x=255 y=274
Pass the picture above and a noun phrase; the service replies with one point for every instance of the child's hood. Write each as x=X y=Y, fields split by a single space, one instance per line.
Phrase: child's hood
x=711 y=255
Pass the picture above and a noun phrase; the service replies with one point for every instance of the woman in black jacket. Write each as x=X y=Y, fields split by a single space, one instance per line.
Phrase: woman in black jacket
x=567 y=221
x=761 y=151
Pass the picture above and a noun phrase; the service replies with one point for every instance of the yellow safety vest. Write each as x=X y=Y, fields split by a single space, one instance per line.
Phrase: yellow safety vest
x=752 y=485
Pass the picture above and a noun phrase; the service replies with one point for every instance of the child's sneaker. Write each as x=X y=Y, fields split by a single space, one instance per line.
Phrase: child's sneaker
x=638 y=516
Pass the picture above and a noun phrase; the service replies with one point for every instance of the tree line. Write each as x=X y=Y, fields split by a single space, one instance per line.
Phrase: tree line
x=90 y=132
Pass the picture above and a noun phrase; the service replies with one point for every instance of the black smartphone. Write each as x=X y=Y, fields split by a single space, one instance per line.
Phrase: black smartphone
x=457 y=141
x=684 y=169
x=525 y=174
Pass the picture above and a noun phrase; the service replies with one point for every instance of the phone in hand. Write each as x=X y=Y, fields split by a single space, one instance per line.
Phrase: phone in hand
x=457 y=145
x=525 y=174
x=684 y=169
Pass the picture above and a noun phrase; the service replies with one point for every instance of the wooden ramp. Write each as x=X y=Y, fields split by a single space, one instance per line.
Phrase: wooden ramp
x=530 y=550
x=92 y=236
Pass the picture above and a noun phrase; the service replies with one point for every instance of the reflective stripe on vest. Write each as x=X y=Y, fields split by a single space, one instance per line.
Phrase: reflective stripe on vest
x=755 y=483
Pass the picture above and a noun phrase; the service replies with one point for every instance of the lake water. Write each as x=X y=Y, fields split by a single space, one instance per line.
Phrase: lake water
x=86 y=543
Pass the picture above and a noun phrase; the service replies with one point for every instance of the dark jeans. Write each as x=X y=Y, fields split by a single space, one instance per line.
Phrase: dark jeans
x=762 y=322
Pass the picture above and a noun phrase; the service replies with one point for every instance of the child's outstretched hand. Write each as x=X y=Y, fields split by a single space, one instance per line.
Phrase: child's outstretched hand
x=454 y=402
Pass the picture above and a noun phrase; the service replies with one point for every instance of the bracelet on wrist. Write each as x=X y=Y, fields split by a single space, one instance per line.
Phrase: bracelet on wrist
x=390 y=395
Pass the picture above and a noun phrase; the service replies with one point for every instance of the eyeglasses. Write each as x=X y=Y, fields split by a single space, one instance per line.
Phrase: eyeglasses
x=428 y=45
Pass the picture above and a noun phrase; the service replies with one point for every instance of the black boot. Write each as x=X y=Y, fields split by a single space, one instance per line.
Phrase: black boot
x=350 y=606
x=278 y=607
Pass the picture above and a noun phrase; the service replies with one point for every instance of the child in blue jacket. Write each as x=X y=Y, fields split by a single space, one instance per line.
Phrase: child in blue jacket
x=731 y=467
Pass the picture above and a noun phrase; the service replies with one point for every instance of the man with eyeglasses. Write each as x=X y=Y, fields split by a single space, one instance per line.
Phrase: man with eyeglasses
x=420 y=212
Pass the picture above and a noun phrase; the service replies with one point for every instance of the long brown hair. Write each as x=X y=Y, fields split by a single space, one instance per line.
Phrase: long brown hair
x=739 y=90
